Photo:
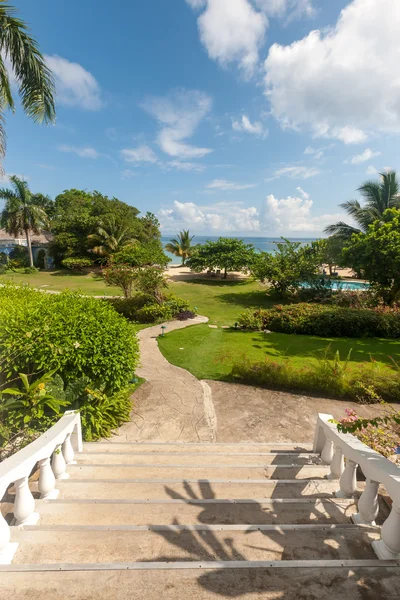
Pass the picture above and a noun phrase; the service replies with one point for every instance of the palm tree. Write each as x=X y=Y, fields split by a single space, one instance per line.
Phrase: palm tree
x=21 y=215
x=378 y=197
x=110 y=236
x=33 y=77
x=181 y=246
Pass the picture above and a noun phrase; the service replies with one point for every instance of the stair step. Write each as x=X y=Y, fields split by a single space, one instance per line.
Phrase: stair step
x=195 y=471
x=166 y=545
x=137 y=512
x=322 y=580
x=196 y=448
x=119 y=489
x=138 y=458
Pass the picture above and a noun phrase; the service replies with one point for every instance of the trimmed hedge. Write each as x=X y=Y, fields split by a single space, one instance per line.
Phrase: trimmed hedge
x=73 y=334
x=325 y=321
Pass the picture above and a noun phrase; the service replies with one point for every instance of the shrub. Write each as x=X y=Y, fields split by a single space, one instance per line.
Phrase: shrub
x=176 y=305
x=75 y=263
x=31 y=270
x=325 y=321
x=184 y=315
x=72 y=334
x=128 y=307
x=328 y=375
x=154 y=313
x=122 y=276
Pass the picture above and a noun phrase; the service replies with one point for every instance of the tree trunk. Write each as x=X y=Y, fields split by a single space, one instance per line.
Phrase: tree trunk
x=28 y=239
x=225 y=273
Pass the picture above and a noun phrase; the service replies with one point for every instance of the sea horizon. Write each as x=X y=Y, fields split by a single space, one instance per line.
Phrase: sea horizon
x=261 y=243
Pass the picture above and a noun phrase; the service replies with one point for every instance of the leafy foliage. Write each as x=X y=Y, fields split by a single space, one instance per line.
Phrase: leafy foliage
x=72 y=334
x=227 y=254
x=329 y=375
x=292 y=264
x=122 y=276
x=75 y=263
x=378 y=197
x=325 y=321
x=141 y=308
x=377 y=254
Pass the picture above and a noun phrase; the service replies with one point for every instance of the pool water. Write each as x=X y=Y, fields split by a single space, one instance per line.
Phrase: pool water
x=344 y=285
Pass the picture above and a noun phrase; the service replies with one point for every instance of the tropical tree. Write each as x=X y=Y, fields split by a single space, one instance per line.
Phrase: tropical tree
x=378 y=195
x=376 y=254
x=111 y=235
x=33 y=77
x=21 y=215
x=181 y=246
x=228 y=254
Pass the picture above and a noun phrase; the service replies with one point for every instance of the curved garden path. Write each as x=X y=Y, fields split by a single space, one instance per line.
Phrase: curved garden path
x=172 y=404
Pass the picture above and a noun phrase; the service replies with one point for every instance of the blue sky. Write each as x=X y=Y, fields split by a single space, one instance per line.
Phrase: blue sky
x=250 y=117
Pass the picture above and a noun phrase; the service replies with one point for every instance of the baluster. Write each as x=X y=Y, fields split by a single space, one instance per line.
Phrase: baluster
x=337 y=464
x=24 y=505
x=327 y=452
x=348 y=480
x=368 y=505
x=58 y=464
x=7 y=548
x=68 y=451
x=47 y=481
x=388 y=547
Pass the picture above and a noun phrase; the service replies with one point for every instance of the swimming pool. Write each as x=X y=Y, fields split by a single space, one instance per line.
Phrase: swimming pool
x=339 y=284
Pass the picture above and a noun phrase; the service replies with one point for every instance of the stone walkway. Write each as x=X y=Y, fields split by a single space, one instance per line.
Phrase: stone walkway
x=172 y=405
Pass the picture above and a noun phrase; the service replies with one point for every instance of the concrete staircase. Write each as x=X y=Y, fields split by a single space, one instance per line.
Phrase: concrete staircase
x=202 y=521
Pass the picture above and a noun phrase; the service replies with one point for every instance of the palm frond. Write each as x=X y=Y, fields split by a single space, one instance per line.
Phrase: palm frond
x=35 y=80
x=341 y=229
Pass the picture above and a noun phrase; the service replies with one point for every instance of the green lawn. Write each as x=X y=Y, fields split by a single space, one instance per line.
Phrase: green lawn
x=222 y=301
x=64 y=280
x=209 y=353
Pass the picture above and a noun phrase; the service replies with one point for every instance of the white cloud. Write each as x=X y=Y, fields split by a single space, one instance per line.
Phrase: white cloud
x=295 y=172
x=179 y=115
x=184 y=166
x=244 y=125
x=371 y=170
x=290 y=215
x=128 y=174
x=82 y=152
x=317 y=153
x=196 y=4
x=339 y=83
x=363 y=157
x=232 y=31
x=293 y=8
x=74 y=85
x=221 y=217
x=139 y=154
x=224 y=185
x=302 y=193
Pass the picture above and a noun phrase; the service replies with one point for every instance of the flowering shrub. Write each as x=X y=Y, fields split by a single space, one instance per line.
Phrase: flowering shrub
x=379 y=436
x=325 y=321
x=76 y=263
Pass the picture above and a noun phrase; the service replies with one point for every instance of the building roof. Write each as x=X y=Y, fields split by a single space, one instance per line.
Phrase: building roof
x=43 y=238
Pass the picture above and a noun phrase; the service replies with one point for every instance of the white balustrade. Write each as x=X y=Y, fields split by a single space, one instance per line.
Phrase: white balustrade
x=60 y=442
x=344 y=452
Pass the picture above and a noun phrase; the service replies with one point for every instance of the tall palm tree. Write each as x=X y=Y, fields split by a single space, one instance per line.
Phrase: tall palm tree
x=378 y=195
x=181 y=246
x=110 y=236
x=21 y=215
x=20 y=52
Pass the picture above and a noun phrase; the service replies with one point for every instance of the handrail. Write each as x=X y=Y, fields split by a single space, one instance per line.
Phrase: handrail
x=53 y=450
x=334 y=447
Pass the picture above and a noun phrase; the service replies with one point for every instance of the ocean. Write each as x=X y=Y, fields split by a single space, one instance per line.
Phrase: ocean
x=263 y=244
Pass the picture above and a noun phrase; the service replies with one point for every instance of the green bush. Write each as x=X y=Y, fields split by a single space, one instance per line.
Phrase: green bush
x=72 y=334
x=75 y=263
x=141 y=308
x=325 y=321
x=329 y=376
x=31 y=270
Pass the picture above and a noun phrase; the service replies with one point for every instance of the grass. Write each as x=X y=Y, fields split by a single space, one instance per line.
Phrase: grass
x=222 y=301
x=209 y=353
x=86 y=283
